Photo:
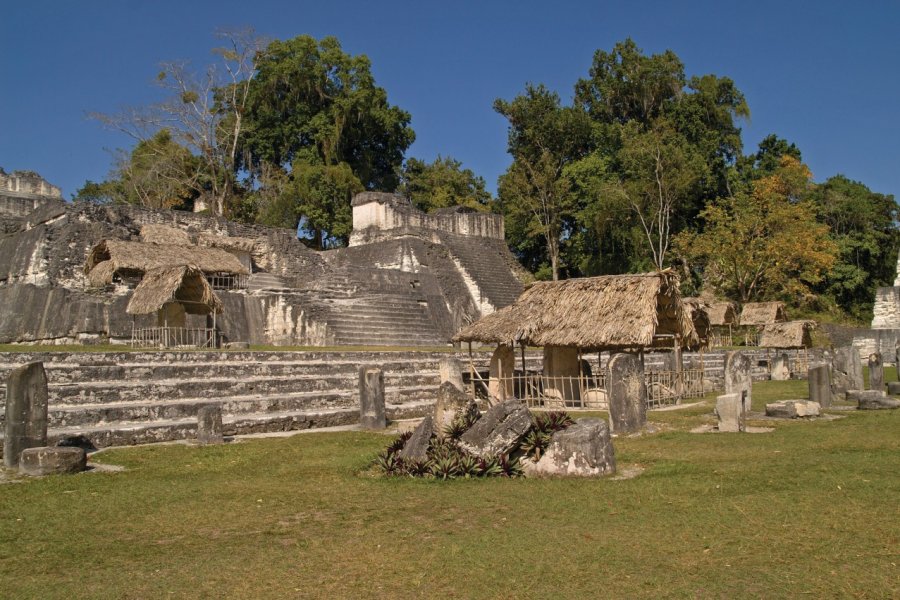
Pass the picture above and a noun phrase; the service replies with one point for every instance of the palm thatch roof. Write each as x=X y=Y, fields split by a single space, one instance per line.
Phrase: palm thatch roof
x=242 y=244
x=696 y=313
x=594 y=313
x=791 y=334
x=763 y=313
x=140 y=257
x=154 y=233
x=184 y=285
x=722 y=313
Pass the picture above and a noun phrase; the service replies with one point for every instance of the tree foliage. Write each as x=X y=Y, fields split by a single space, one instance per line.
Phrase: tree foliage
x=441 y=184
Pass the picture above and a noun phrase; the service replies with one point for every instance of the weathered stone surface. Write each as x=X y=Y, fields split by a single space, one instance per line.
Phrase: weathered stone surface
x=876 y=372
x=499 y=430
x=730 y=411
x=584 y=449
x=780 y=368
x=450 y=401
x=893 y=388
x=416 y=447
x=738 y=378
x=847 y=371
x=371 y=398
x=792 y=409
x=209 y=424
x=76 y=441
x=627 y=393
x=872 y=399
x=49 y=460
x=819 y=379
x=502 y=369
x=26 y=411
x=450 y=370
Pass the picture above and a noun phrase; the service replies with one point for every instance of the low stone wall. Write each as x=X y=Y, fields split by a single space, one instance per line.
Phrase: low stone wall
x=20 y=204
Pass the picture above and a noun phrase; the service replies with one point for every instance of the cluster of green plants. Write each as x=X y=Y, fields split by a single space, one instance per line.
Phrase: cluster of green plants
x=447 y=459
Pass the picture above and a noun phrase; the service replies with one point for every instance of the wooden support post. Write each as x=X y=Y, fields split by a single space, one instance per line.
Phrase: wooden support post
x=471 y=372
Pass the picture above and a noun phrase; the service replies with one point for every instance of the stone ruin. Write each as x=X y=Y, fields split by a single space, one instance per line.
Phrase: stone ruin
x=407 y=278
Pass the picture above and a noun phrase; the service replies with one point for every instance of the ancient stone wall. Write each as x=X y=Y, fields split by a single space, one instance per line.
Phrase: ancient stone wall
x=378 y=216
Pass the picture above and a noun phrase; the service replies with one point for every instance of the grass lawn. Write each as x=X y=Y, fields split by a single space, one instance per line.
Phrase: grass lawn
x=811 y=509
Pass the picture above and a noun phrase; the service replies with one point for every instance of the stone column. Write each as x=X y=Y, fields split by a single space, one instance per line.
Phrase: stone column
x=209 y=424
x=847 y=371
x=876 y=372
x=820 y=385
x=627 y=393
x=371 y=398
x=738 y=378
x=561 y=373
x=780 y=369
x=730 y=411
x=26 y=412
x=503 y=365
x=451 y=371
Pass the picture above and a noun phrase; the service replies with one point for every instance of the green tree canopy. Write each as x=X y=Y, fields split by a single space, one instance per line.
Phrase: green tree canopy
x=442 y=183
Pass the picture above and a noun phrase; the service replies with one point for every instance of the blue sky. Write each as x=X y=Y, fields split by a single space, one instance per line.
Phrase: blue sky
x=825 y=75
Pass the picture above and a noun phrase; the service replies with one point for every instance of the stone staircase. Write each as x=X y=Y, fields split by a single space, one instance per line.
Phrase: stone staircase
x=121 y=398
x=266 y=282
x=481 y=259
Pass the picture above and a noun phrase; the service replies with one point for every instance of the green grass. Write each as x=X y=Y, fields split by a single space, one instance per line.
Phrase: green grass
x=808 y=510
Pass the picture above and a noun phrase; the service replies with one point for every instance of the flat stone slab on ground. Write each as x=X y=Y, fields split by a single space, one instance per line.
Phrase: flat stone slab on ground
x=49 y=460
x=792 y=409
x=499 y=430
x=584 y=449
x=872 y=400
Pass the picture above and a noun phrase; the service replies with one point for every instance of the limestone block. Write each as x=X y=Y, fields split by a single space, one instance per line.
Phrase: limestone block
x=738 y=378
x=49 y=460
x=450 y=370
x=893 y=388
x=416 y=447
x=627 y=394
x=792 y=409
x=371 y=398
x=876 y=372
x=730 y=411
x=450 y=401
x=847 y=371
x=502 y=369
x=872 y=400
x=499 y=430
x=209 y=424
x=780 y=369
x=819 y=380
x=26 y=411
x=584 y=449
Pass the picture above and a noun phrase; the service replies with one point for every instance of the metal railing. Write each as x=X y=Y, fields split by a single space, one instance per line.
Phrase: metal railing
x=590 y=392
x=173 y=337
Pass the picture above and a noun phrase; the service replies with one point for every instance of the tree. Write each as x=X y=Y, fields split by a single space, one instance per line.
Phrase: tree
x=764 y=243
x=660 y=171
x=442 y=183
x=544 y=137
x=204 y=114
x=311 y=101
x=863 y=225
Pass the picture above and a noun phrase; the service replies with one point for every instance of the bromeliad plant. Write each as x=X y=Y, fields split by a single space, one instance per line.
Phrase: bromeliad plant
x=543 y=426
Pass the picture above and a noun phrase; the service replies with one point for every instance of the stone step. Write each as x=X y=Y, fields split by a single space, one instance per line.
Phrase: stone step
x=94 y=392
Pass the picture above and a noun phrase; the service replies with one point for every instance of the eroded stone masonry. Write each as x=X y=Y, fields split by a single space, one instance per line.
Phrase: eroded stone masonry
x=408 y=278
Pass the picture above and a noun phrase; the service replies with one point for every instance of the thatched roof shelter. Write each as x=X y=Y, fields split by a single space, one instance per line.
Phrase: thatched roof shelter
x=763 y=313
x=722 y=313
x=111 y=256
x=241 y=244
x=791 y=334
x=153 y=233
x=696 y=311
x=613 y=312
x=184 y=285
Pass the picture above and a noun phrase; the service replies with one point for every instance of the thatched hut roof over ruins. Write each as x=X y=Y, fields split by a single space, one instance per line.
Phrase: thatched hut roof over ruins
x=111 y=256
x=790 y=334
x=763 y=313
x=593 y=313
x=722 y=313
x=185 y=285
x=697 y=311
